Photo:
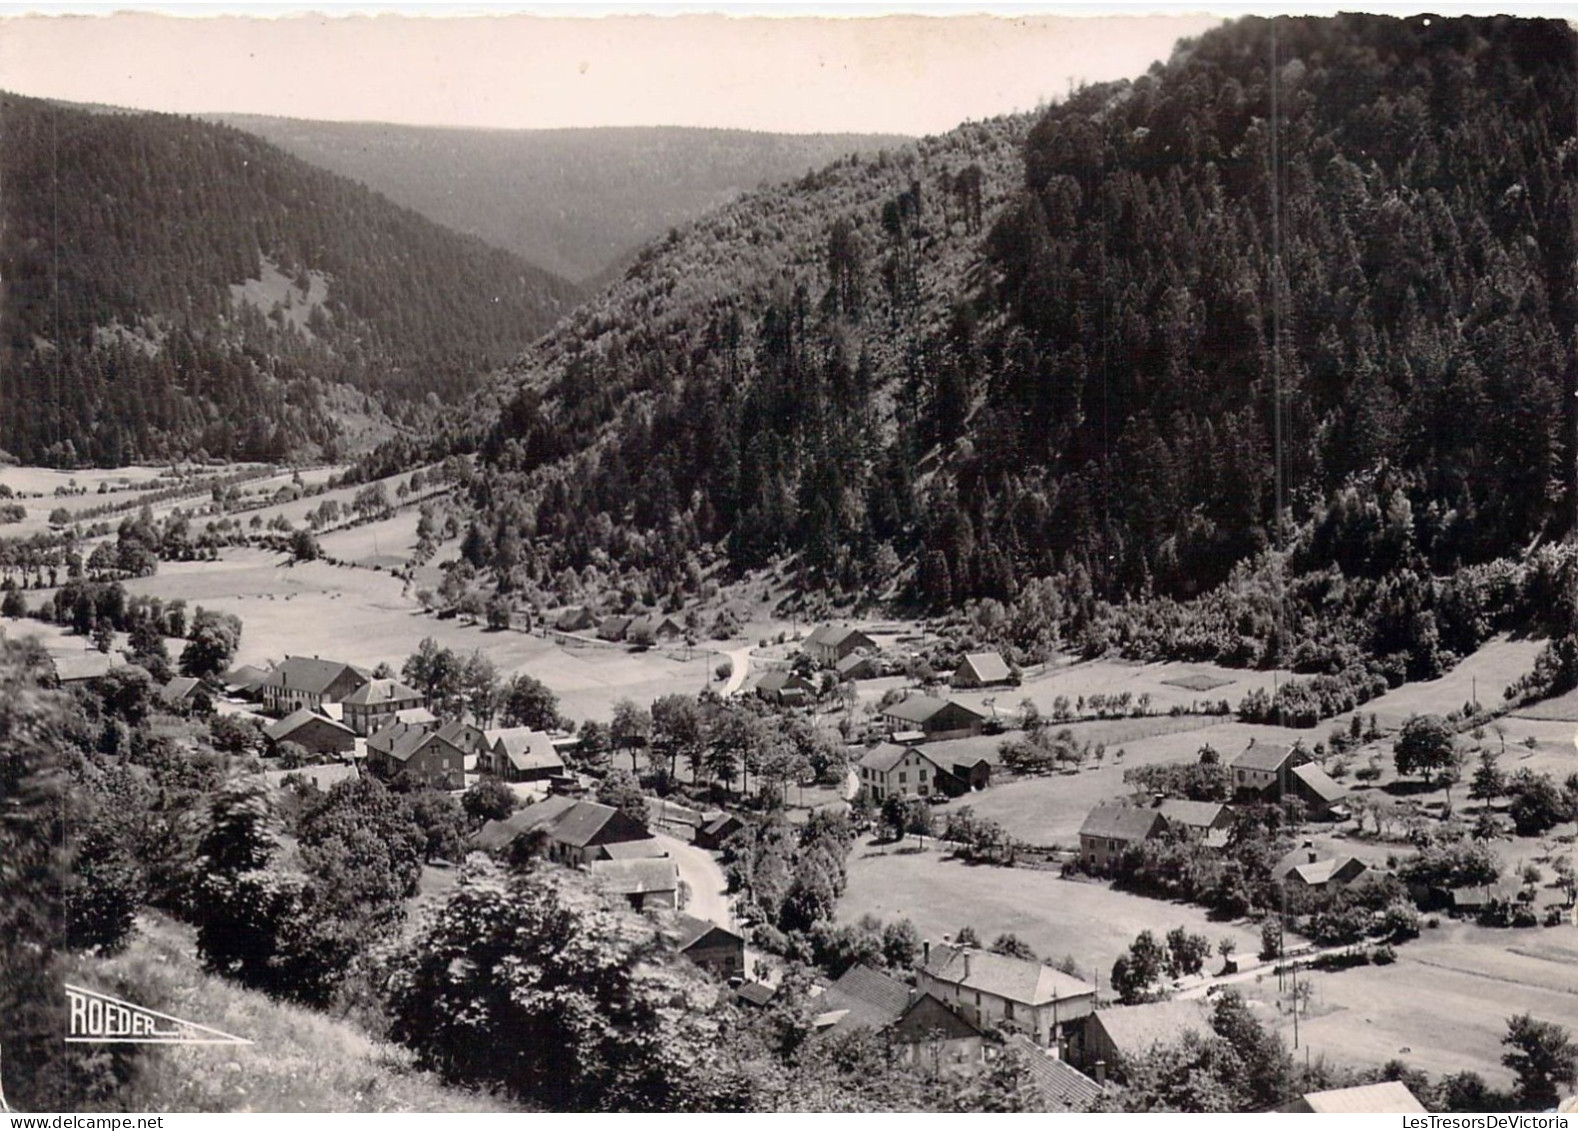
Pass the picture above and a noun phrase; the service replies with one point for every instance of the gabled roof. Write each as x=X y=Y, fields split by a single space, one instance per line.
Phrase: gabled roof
x=1134 y=1029
x=248 y=677
x=401 y=740
x=782 y=678
x=1320 y=783
x=637 y=877
x=852 y=662
x=1268 y=756
x=865 y=997
x=581 y=824
x=1063 y=1087
x=831 y=636
x=987 y=667
x=919 y=708
x=692 y=930
x=376 y=691
x=1342 y=869
x=73 y=666
x=647 y=848
x=720 y=823
x=756 y=993
x=1389 y=1098
x=1121 y=822
x=1016 y=979
x=463 y=734
x=526 y=749
x=179 y=688
x=1191 y=814
x=928 y=1019
x=417 y=717
x=885 y=756
x=280 y=730
x=309 y=674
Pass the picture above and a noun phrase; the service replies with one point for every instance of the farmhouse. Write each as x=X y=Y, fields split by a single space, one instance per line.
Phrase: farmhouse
x=1062 y=1087
x=576 y=619
x=1208 y=821
x=522 y=754
x=654 y=626
x=829 y=644
x=936 y=1037
x=399 y=748
x=713 y=948
x=470 y=738
x=862 y=998
x=785 y=688
x=376 y=703
x=857 y=666
x=648 y=884
x=991 y=989
x=933 y=717
x=180 y=690
x=306 y=681
x=715 y=829
x=890 y=770
x=1305 y=868
x=1315 y=787
x=79 y=667
x=244 y=681
x=1390 y=1097
x=1109 y=829
x=576 y=832
x=312 y=732
x=613 y=627
x=1265 y=769
x=983 y=669
x=1109 y=1038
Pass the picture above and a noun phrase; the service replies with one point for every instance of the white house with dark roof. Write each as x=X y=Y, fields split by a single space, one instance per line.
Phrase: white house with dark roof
x=1265 y=769
x=891 y=770
x=935 y=718
x=377 y=702
x=829 y=644
x=1109 y=829
x=994 y=989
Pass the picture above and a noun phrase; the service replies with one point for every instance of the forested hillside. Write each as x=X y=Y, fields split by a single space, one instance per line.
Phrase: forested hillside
x=131 y=328
x=576 y=202
x=1091 y=362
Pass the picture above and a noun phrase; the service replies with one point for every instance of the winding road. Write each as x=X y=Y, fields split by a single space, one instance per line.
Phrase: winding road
x=703 y=875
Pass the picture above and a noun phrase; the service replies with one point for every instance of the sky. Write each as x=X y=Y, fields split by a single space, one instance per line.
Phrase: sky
x=893 y=73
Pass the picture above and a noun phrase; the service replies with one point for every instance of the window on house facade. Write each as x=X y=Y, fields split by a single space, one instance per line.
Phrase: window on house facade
x=903 y=777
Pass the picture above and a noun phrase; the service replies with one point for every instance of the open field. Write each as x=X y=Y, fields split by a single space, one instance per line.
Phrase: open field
x=1049 y=809
x=388 y=542
x=1486 y=674
x=1057 y=917
x=366 y=617
x=1443 y=1006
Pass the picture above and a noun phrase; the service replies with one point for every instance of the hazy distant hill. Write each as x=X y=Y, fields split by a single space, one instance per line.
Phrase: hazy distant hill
x=575 y=202
x=174 y=285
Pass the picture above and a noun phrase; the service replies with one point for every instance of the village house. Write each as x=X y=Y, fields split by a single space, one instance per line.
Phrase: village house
x=647 y=884
x=1062 y=1087
x=522 y=754
x=80 y=667
x=671 y=816
x=785 y=688
x=1111 y=1037
x=902 y=771
x=307 y=681
x=575 y=832
x=716 y=828
x=181 y=691
x=656 y=627
x=1390 y=1097
x=399 y=748
x=613 y=628
x=983 y=669
x=935 y=718
x=1109 y=829
x=1306 y=868
x=861 y=998
x=377 y=702
x=1265 y=770
x=994 y=989
x=416 y=717
x=968 y=759
x=1321 y=795
x=468 y=736
x=857 y=666
x=715 y=949
x=924 y=1029
x=312 y=731
x=1205 y=821
x=244 y=682
x=578 y=618
x=829 y=644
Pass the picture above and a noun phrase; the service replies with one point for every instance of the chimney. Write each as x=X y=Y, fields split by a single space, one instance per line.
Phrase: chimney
x=1313 y=856
x=967 y=964
x=1157 y=799
x=926 y=952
